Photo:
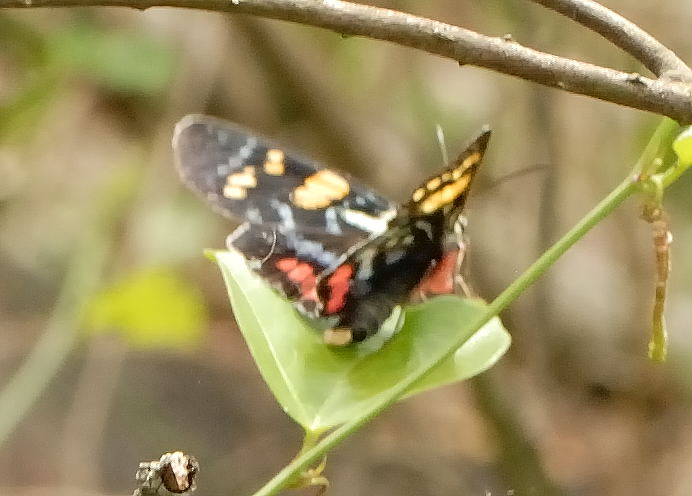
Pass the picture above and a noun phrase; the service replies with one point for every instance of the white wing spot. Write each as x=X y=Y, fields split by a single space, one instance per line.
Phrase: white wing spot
x=222 y=136
x=369 y=223
x=365 y=269
x=253 y=215
x=285 y=213
x=425 y=226
x=247 y=149
x=311 y=249
x=235 y=162
x=332 y=222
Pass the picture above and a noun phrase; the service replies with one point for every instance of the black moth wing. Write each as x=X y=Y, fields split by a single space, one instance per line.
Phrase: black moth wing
x=247 y=177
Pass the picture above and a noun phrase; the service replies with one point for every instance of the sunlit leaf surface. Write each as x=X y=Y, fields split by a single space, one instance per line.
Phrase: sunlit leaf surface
x=321 y=387
x=150 y=309
x=683 y=146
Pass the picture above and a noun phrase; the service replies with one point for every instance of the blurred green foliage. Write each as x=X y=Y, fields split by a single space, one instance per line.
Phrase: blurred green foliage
x=122 y=61
x=683 y=146
x=150 y=309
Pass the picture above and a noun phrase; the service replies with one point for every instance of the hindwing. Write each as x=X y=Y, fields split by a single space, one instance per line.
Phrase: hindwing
x=291 y=261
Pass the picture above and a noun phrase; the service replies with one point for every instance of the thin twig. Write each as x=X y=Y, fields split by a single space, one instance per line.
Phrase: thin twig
x=664 y=97
x=656 y=57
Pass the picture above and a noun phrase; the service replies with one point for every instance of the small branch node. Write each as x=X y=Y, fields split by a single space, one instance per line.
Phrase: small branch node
x=635 y=78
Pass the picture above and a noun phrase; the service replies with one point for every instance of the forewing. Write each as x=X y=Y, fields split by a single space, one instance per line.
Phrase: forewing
x=248 y=178
x=447 y=191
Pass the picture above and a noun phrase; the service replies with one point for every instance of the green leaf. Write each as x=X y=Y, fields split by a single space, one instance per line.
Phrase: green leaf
x=683 y=146
x=150 y=309
x=123 y=61
x=321 y=387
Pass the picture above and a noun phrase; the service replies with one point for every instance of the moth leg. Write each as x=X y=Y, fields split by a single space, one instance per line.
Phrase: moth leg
x=461 y=287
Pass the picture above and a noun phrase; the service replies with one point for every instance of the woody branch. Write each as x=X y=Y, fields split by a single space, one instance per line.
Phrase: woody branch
x=669 y=95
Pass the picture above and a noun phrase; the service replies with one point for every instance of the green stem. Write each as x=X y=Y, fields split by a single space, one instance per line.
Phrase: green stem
x=657 y=146
x=598 y=213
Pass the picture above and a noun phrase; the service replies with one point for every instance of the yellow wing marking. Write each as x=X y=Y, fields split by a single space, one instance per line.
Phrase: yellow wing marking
x=445 y=195
x=444 y=189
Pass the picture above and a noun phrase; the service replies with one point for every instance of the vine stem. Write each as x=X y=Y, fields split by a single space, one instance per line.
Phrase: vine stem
x=616 y=197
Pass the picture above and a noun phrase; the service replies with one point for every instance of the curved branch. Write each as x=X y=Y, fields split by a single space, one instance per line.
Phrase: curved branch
x=664 y=97
x=655 y=56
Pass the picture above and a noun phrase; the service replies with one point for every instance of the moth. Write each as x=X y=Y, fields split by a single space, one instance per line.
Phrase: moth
x=333 y=247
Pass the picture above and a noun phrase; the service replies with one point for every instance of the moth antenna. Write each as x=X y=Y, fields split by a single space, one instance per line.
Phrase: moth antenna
x=439 y=132
x=511 y=176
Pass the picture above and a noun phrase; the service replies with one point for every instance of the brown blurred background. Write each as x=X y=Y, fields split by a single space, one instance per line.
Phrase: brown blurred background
x=134 y=348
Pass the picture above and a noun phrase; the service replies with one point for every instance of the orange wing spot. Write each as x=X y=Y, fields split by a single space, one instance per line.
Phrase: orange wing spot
x=338 y=283
x=238 y=183
x=286 y=264
x=274 y=163
x=320 y=190
x=275 y=155
x=242 y=180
